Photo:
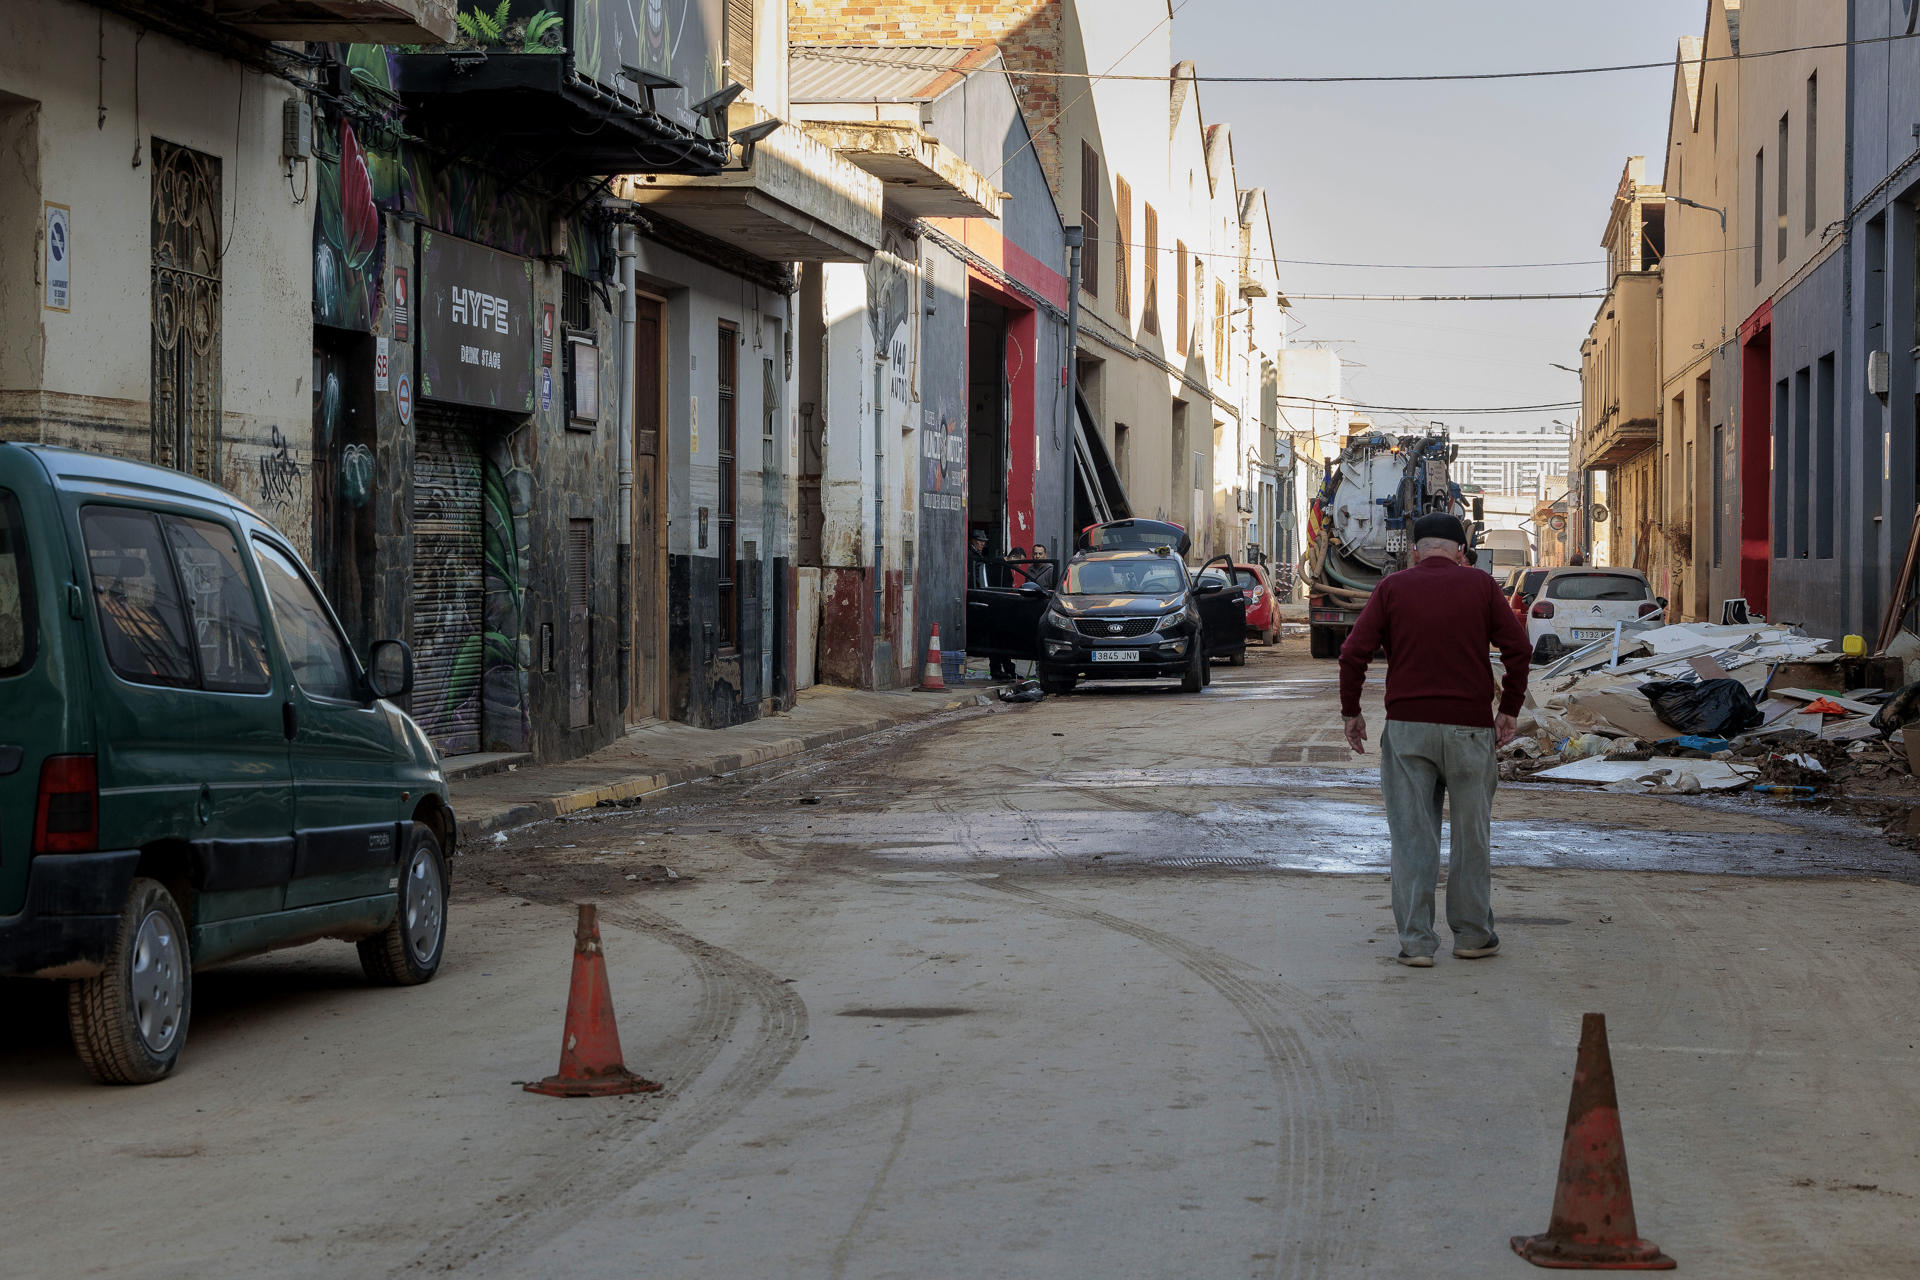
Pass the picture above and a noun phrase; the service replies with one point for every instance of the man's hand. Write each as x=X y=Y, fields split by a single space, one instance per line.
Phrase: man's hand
x=1357 y=733
x=1503 y=730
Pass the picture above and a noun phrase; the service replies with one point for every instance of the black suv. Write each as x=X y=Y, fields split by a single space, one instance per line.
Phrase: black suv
x=1126 y=614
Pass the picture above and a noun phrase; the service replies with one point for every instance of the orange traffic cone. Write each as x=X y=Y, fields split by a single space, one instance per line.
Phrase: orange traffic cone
x=1592 y=1228
x=933 y=680
x=590 y=1065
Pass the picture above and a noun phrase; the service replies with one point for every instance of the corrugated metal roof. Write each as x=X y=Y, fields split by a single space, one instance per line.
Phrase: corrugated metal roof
x=868 y=73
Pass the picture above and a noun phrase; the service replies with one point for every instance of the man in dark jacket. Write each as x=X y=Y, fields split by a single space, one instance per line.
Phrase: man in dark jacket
x=1437 y=620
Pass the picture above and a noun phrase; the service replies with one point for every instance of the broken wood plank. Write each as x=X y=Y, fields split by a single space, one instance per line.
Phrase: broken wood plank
x=1706 y=668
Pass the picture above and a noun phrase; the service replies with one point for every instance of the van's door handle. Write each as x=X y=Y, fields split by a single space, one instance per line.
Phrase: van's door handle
x=290 y=719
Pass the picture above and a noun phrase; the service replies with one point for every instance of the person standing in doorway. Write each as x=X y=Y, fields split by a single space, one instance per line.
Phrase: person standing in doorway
x=1437 y=620
x=980 y=573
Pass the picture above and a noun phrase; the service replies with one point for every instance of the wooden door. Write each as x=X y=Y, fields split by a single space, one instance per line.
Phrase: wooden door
x=646 y=680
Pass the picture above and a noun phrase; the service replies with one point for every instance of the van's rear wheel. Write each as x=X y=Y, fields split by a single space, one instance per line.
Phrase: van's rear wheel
x=408 y=952
x=129 y=1022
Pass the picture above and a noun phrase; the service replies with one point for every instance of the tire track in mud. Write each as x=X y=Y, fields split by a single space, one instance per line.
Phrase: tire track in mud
x=559 y=1196
x=1325 y=1094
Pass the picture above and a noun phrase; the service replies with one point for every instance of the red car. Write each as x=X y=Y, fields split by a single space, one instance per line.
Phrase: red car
x=1263 y=611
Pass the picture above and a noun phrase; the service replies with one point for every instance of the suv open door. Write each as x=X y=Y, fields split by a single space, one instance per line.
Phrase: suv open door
x=1004 y=621
x=1223 y=611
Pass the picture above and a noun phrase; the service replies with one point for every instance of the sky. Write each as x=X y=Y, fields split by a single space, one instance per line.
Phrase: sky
x=1479 y=172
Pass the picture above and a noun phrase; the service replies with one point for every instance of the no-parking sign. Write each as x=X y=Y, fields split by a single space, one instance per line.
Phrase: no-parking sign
x=403 y=399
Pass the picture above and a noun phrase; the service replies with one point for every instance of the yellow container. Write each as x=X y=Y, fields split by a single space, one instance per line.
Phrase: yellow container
x=1853 y=646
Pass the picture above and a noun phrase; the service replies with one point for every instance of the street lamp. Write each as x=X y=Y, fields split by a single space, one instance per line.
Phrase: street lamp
x=1563 y=368
x=1695 y=204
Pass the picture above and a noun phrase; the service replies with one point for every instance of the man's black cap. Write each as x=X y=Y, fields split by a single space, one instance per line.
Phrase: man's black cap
x=1440 y=525
x=978 y=535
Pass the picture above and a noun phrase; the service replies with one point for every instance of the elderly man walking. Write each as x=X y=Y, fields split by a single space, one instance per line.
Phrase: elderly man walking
x=1437 y=621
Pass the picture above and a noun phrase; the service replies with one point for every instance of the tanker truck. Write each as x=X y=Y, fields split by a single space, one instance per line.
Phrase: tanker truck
x=1360 y=525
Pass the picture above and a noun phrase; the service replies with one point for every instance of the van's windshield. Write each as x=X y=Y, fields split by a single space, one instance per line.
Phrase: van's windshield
x=17 y=624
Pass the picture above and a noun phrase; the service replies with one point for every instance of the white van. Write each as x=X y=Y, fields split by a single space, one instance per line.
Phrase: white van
x=1504 y=550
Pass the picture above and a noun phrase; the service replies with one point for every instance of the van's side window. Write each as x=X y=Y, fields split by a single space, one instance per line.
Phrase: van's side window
x=18 y=626
x=221 y=607
x=314 y=647
x=142 y=620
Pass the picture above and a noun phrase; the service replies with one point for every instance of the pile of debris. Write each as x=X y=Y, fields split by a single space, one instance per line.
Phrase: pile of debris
x=1695 y=707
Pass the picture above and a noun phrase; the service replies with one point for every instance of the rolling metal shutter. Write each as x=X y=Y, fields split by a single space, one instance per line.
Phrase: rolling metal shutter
x=449 y=584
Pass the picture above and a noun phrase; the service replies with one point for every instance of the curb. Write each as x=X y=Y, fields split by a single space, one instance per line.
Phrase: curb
x=641 y=785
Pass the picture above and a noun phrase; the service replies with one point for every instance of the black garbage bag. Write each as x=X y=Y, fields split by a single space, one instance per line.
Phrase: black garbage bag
x=1721 y=708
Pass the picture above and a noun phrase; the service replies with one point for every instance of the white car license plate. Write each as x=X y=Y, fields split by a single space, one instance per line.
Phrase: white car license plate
x=1580 y=633
x=1116 y=655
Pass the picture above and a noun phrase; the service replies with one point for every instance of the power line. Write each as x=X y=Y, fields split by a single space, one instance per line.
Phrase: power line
x=1444 y=297
x=1665 y=64
x=1323 y=403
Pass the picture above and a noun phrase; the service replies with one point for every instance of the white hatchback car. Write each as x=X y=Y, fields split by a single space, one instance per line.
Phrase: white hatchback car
x=1576 y=605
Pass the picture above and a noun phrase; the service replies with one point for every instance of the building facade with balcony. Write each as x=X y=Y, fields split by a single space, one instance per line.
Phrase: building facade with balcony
x=931 y=400
x=1179 y=311
x=1620 y=370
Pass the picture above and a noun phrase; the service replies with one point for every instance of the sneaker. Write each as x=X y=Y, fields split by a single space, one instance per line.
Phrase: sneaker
x=1478 y=953
x=1415 y=962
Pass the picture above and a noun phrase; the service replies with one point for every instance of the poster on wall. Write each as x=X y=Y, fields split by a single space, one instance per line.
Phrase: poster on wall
x=476 y=325
x=59 y=264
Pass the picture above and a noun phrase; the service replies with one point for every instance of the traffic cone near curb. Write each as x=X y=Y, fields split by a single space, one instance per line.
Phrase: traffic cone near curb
x=590 y=1065
x=933 y=681
x=1593 y=1228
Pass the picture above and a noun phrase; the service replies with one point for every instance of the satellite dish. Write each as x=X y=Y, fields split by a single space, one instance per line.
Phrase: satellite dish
x=1599 y=513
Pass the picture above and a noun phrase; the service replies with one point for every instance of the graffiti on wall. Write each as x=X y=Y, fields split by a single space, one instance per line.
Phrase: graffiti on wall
x=279 y=472
x=365 y=164
x=348 y=249
x=506 y=648
x=889 y=320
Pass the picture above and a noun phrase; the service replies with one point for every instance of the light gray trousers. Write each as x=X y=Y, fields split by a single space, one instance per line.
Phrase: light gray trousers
x=1420 y=766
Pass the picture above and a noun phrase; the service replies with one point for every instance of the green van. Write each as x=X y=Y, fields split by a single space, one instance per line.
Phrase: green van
x=193 y=764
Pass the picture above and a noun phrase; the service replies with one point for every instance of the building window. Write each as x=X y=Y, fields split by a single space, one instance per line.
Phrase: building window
x=186 y=381
x=1823 y=459
x=1759 y=208
x=1090 y=218
x=1813 y=125
x=727 y=603
x=1180 y=297
x=1123 y=249
x=1200 y=308
x=1780 y=200
x=1716 y=486
x=1219 y=327
x=1150 y=265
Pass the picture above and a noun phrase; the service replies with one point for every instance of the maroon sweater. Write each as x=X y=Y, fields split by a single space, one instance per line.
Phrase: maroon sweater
x=1437 y=621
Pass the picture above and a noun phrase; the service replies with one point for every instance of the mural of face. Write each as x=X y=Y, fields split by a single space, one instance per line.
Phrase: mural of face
x=654 y=35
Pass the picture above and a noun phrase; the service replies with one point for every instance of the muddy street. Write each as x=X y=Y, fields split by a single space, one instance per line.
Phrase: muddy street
x=1102 y=985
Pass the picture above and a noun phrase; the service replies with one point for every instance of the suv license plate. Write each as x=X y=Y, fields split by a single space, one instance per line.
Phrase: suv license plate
x=1116 y=655
x=1588 y=634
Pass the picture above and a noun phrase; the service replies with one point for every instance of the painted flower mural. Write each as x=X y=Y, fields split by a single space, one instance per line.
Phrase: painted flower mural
x=360 y=220
x=347 y=257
